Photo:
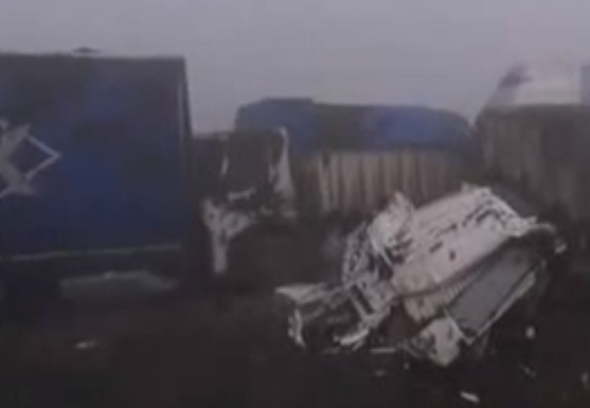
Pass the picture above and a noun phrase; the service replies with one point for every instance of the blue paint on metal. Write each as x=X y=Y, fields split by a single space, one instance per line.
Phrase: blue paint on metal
x=375 y=127
x=414 y=127
x=117 y=126
x=297 y=116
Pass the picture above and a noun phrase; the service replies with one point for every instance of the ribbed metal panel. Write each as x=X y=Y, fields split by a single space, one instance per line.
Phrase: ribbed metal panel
x=363 y=181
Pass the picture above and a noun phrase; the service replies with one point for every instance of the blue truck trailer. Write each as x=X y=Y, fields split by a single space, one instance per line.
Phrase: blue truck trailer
x=92 y=166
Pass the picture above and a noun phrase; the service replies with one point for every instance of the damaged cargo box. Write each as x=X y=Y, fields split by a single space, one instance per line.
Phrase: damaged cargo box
x=349 y=159
x=534 y=135
x=427 y=281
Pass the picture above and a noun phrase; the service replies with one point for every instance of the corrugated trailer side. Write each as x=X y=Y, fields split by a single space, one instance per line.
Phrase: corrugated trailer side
x=360 y=182
x=544 y=152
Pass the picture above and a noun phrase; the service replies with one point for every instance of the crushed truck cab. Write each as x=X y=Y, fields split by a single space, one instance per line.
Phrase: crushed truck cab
x=425 y=281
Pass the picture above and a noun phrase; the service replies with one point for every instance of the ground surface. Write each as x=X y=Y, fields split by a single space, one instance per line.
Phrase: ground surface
x=206 y=353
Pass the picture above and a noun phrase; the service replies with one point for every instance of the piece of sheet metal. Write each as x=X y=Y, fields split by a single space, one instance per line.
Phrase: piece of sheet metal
x=507 y=275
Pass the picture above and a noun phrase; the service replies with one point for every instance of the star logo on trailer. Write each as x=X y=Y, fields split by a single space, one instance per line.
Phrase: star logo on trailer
x=22 y=158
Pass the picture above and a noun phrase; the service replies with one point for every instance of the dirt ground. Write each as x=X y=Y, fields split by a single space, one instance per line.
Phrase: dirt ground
x=201 y=352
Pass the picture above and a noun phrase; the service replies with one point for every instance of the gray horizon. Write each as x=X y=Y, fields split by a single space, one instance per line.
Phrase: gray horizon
x=441 y=53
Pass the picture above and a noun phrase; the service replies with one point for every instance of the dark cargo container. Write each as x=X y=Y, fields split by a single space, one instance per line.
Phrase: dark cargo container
x=91 y=166
x=534 y=135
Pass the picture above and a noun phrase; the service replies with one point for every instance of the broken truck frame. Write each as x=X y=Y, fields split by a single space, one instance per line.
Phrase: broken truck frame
x=435 y=279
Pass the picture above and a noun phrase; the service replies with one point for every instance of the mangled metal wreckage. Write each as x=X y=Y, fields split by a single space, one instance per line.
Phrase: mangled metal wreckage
x=429 y=282
x=253 y=182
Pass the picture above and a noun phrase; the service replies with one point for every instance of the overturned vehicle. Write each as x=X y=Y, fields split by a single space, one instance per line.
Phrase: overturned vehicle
x=430 y=282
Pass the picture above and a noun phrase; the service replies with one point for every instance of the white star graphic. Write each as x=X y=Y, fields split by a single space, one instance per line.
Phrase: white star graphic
x=18 y=182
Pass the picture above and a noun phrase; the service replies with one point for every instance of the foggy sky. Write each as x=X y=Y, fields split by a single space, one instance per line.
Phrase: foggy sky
x=442 y=53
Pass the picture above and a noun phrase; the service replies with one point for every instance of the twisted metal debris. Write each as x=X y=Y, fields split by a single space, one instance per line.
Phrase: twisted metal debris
x=429 y=281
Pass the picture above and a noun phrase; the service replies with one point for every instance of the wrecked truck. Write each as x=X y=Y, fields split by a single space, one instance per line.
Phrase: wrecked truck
x=350 y=158
x=243 y=181
x=279 y=192
x=429 y=282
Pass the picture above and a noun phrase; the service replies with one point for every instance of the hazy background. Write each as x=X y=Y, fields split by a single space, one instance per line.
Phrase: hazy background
x=444 y=53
